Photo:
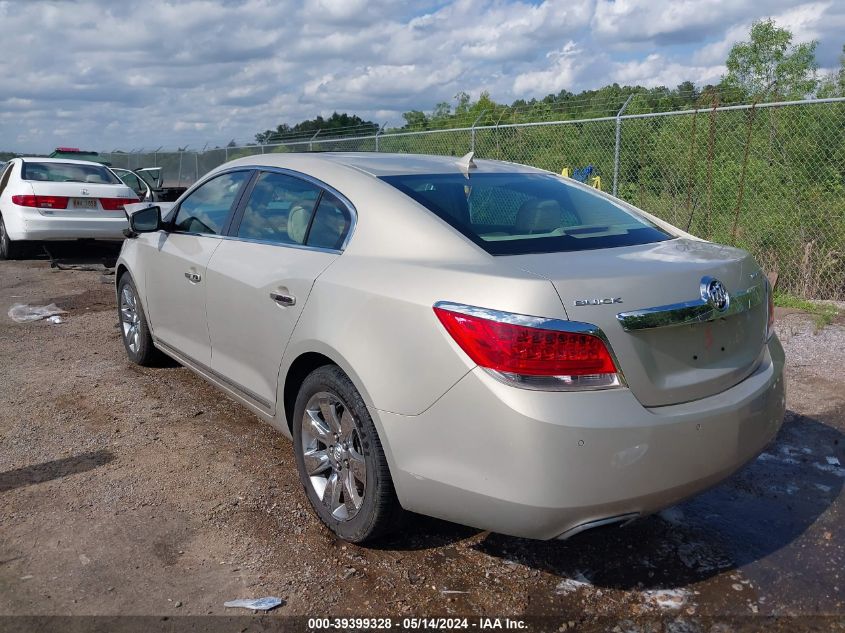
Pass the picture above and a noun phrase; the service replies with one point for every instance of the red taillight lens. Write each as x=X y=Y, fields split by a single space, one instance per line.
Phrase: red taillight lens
x=41 y=202
x=116 y=204
x=527 y=351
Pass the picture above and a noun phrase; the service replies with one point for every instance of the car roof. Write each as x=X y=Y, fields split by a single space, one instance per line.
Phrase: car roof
x=381 y=164
x=40 y=159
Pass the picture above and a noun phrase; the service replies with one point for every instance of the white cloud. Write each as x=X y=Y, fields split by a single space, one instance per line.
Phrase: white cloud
x=656 y=70
x=674 y=21
x=567 y=65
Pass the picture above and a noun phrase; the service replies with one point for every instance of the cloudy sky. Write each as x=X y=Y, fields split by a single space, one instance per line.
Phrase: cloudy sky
x=101 y=74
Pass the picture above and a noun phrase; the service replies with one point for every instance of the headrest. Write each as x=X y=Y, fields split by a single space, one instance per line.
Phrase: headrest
x=298 y=222
x=538 y=216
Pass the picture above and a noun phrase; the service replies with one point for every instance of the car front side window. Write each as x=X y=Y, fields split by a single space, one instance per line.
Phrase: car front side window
x=206 y=209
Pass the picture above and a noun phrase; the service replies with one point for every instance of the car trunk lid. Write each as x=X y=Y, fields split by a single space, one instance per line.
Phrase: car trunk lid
x=84 y=199
x=704 y=352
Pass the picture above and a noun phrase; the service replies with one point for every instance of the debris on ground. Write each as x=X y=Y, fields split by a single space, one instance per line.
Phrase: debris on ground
x=100 y=268
x=256 y=604
x=666 y=598
x=24 y=313
x=568 y=585
x=56 y=319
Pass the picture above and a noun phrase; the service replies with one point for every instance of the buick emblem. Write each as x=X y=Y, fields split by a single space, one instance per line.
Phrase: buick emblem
x=597 y=302
x=715 y=293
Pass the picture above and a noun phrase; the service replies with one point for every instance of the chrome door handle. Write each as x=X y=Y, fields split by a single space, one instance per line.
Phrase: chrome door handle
x=283 y=300
x=193 y=277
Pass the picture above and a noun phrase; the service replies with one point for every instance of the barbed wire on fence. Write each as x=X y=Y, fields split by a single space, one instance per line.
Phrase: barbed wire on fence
x=767 y=177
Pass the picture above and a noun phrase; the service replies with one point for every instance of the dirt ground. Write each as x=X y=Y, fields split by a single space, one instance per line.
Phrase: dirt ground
x=131 y=491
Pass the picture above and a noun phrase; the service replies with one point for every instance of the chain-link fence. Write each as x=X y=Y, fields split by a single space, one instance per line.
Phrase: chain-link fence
x=767 y=177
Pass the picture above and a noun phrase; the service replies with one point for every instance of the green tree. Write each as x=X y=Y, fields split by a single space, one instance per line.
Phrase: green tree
x=769 y=66
x=338 y=124
x=442 y=110
x=464 y=101
x=415 y=119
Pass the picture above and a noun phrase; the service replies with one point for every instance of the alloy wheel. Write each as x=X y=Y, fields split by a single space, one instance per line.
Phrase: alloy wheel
x=130 y=319
x=334 y=459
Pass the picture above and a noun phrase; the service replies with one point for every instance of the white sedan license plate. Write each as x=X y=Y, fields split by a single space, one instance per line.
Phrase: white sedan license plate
x=85 y=203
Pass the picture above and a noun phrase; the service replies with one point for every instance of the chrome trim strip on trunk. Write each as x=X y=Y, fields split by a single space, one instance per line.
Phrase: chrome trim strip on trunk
x=698 y=310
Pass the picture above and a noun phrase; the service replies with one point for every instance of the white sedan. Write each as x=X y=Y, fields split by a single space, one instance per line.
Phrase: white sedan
x=59 y=199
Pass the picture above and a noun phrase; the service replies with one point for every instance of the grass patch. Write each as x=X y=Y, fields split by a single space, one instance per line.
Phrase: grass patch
x=823 y=314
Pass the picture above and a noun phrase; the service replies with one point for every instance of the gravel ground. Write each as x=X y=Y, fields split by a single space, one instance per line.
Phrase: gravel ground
x=144 y=491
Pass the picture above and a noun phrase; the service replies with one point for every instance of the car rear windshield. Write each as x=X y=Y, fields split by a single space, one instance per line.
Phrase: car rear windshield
x=69 y=172
x=519 y=213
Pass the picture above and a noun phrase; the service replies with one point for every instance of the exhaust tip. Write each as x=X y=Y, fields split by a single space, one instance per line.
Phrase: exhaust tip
x=622 y=519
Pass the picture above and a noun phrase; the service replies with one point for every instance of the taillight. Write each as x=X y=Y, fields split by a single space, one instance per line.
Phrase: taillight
x=116 y=204
x=41 y=202
x=531 y=351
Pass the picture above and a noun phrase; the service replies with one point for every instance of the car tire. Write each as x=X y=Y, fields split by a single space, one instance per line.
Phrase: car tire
x=8 y=248
x=134 y=331
x=349 y=449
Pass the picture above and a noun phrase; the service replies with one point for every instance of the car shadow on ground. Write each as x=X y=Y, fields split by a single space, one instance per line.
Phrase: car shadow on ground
x=420 y=532
x=79 y=255
x=761 y=509
x=55 y=469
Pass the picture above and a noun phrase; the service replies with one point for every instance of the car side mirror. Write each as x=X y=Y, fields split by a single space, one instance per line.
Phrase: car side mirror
x=146 y=220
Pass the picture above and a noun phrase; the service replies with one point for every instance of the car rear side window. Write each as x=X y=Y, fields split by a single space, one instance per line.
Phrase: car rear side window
x=519 y=213
x=206 y=209
x=330 y=225
x=69 y=172
x=279 y=209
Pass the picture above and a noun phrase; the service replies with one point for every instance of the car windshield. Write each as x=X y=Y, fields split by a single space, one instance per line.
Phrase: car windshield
x=519 y=213
x=69 y=172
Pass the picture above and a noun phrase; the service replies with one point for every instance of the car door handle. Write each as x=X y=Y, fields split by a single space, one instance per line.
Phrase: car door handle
x=283 y=300
x=193 y=277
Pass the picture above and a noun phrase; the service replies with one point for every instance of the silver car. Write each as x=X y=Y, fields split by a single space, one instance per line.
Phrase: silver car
x=479 y=341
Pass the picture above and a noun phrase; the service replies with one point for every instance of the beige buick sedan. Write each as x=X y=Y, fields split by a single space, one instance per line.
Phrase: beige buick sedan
x=479 y=341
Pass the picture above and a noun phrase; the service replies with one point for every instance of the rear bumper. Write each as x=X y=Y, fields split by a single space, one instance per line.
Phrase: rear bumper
x=29 y=224
x=542 y=464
